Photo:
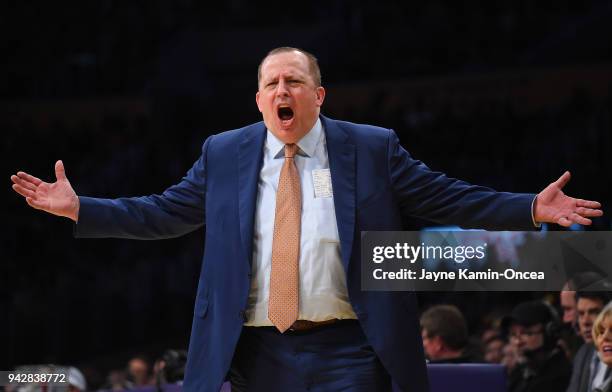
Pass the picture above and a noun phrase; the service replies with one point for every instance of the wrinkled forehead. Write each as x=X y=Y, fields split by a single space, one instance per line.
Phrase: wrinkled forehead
x=292 y=63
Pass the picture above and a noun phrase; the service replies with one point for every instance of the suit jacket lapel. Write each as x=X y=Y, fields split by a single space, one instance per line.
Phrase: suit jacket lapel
x=250 y=158
x=341 y=154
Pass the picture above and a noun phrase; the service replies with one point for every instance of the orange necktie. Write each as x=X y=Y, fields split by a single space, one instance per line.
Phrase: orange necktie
x=283 y=302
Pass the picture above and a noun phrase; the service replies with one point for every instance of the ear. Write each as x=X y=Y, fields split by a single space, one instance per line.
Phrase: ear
x=257 y=101
x=320 y=93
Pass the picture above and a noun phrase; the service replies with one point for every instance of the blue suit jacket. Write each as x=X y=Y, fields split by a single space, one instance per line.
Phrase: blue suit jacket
x=375 y=182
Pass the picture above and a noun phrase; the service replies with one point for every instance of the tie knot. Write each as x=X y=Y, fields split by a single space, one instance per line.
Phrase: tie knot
x=290 y=150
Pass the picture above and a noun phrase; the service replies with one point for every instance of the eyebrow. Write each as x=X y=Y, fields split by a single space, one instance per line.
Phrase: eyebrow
x=287 y=77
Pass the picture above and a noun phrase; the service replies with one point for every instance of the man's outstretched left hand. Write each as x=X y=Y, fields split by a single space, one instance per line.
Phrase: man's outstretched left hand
x=554 y=206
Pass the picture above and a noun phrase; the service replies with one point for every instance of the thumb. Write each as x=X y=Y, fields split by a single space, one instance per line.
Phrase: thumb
x=60 y=172
x=563 y=180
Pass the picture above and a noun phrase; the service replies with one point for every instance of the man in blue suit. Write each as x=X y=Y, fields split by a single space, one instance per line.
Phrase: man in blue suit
x=345 y=178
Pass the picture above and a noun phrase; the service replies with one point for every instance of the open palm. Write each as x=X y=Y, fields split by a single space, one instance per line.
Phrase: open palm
x=554 y=206
x=57 y=198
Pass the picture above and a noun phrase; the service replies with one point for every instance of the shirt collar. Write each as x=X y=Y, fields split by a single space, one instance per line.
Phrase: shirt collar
x=307 y=144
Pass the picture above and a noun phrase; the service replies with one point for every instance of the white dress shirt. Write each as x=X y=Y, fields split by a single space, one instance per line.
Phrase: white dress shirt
x=323 y=294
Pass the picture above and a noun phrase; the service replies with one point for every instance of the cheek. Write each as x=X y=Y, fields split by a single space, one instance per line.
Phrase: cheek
x=268 y=110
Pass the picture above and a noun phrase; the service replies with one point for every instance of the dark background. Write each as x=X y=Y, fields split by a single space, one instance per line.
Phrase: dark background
x=507 y=94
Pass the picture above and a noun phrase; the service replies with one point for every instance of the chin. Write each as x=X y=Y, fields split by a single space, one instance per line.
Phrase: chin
x=605 y=358
x=287 y=137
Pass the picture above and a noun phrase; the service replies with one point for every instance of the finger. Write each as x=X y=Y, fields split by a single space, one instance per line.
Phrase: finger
x=34 y=180
x=588 y=203
x=563 y=179
x=60 y=172
x=589 y=212
x=563 y=221
x=21 y=182
x=23 y=191
x=35 y=203
x=580 y=220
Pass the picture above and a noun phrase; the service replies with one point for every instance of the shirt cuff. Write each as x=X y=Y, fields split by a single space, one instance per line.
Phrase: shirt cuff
x=535 y=224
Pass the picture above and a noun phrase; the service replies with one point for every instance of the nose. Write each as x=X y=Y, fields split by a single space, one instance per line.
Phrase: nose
x=281 y=88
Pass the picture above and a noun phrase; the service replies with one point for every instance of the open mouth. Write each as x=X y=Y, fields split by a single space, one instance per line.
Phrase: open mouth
x=285 y=113
x=607 y=349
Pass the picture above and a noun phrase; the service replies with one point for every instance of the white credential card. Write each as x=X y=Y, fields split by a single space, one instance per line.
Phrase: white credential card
x=321 y=181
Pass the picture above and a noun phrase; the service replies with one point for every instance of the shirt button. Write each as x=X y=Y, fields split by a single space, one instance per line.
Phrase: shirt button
x=242 y=315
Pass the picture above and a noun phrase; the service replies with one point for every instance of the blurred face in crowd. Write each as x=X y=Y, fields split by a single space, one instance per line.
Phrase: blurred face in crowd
x=568 y=304
x=288 y=97
x=527 y=338
x=511 y=356
x=603 y=341
x=588 y=309
x=139 y=371
x=431 y=344
x=494 y=351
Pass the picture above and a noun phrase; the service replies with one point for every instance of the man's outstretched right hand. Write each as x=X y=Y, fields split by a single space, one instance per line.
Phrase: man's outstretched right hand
x=57 y=198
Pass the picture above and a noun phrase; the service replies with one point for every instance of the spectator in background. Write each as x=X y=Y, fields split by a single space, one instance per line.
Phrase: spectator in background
x=511 y=357
x=170 y=368
x=602 y=338
x=139 y=371
x=494 y=349
x=445 y=335
x=543 y=366
x=117 y=381
x=567 y=299
x=588 y=306
x=76 y=380
x=588 y=371
x=569 y=335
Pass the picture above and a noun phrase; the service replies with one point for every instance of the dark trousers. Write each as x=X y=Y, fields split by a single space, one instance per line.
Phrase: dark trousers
x=332 y=358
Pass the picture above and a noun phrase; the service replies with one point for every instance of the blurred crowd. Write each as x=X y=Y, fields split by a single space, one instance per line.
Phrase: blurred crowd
x=139 y=373
x=561 y=343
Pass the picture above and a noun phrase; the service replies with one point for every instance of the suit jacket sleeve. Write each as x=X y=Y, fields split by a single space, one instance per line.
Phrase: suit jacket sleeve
x=434 y=196
x=178 y=210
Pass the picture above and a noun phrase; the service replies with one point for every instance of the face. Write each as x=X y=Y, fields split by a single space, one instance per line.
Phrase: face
x=288 y=98
x=431 y=345
x=604 y=341
x=138 y=369
x=587 y=309
x=494 y=351
x=510 y=356
x=527 y=338
x=568 y=304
